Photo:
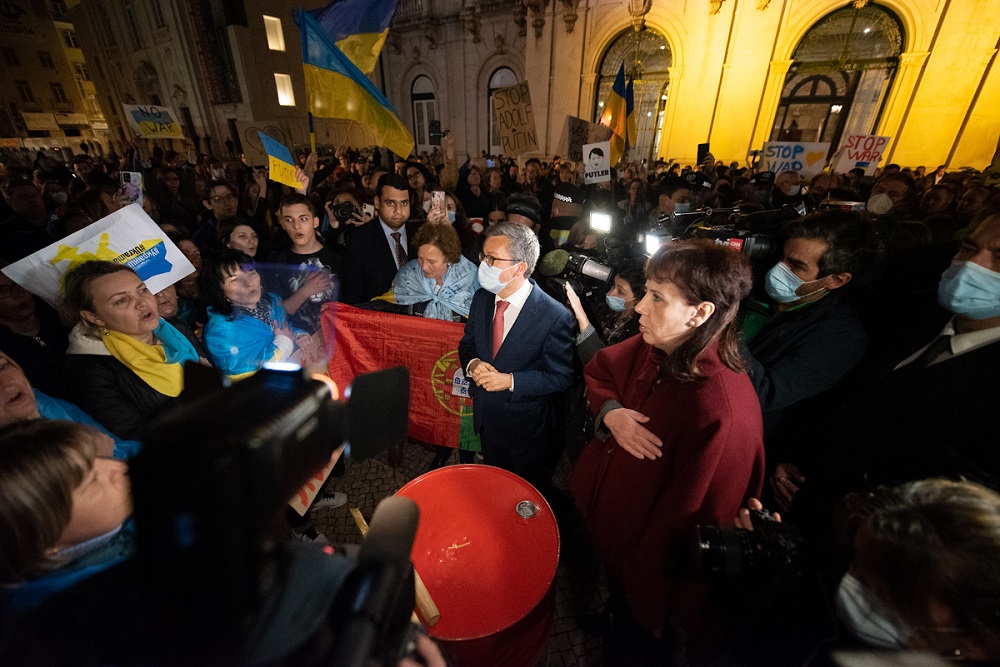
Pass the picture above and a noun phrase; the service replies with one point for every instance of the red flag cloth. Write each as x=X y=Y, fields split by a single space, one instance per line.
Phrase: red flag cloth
x=369 y=340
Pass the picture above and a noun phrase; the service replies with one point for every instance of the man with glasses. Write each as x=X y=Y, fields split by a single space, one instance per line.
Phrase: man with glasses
x=518 y=352
x=222 y=201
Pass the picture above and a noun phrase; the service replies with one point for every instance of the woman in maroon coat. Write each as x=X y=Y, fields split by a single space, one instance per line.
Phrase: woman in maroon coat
x=679 y=439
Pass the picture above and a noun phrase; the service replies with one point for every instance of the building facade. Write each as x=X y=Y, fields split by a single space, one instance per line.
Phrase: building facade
x=48 y=98
x=735 y=73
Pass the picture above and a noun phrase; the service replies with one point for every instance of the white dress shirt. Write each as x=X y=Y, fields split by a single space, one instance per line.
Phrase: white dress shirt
x=960 y=343
x=389 y=231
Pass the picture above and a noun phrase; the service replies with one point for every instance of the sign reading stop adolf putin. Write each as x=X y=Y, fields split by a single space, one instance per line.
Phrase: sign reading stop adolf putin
x=512 y=107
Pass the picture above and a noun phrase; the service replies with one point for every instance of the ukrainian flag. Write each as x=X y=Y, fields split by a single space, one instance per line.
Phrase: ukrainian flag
x=631 y=127
x=338 y=89
x=358 y=27
x=615 y=115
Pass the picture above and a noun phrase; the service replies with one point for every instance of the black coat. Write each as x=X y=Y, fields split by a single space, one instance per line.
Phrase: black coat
x=369 y=264
x=803 y=352
x=111 y=393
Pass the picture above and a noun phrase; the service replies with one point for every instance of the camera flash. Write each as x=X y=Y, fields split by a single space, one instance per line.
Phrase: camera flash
x=600 y=222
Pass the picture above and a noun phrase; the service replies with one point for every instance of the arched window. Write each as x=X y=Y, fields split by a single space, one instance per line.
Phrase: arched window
x=424 y=111
x=841 y=76
x=501 y=78
x=647 y=58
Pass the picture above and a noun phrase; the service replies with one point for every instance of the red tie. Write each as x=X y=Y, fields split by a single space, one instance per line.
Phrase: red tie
x=498 y=326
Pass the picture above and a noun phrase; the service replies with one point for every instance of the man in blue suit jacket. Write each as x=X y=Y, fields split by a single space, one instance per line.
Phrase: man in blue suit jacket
x=518 y=352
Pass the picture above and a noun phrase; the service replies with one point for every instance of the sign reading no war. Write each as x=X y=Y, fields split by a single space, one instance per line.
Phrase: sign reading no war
x=512 y=107
x=153 y=121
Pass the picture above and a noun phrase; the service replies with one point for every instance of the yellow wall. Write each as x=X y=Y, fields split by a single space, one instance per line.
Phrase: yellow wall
x=729 y=69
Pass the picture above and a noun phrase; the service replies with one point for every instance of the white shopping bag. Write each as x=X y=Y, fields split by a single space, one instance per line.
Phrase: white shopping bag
x=127 y=236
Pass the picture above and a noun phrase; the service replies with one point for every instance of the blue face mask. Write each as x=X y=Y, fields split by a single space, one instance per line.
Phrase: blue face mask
x=682 y=208
x=781 y=284
x=971 y=291
x=489 y=278
x=451 y=217
x=615 y=303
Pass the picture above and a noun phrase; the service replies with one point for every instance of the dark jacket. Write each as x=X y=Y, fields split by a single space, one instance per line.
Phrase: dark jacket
x=369 y=264
x=108 y=390
x=802 y=352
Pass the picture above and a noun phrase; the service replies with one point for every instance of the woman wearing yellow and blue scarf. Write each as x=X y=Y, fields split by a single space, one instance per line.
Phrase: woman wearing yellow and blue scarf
x=124 y=363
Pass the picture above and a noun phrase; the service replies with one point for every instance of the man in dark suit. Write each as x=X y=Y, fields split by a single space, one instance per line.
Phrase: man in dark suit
x=377 y=250
x=518 y=350
x=934 y=413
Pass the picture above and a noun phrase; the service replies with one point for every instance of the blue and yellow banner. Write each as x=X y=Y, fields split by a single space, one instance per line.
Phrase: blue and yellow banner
x=338 y=89
x=615 y=115
x=631 y=126
x=357 y=27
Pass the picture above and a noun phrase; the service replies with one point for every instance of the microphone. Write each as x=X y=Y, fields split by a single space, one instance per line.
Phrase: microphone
x=375 y=603
x=554 y=263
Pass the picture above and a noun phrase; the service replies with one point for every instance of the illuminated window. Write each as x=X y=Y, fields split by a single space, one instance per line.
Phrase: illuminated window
x=647 y=59
x=503 y=77
x=838 y=84
x=424 y=111
x=286 y=96
x=275 y=38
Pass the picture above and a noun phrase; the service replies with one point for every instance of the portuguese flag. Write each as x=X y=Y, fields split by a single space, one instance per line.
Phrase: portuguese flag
x=368 y=340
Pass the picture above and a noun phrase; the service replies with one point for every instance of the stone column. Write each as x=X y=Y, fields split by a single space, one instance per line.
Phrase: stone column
x=676 y=75
x=776 y=75
x=903 y=87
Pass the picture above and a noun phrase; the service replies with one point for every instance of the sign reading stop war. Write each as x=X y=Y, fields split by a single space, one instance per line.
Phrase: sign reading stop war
x=806 y=158
x=153 y=121
x=512 y=107
x=861 y=151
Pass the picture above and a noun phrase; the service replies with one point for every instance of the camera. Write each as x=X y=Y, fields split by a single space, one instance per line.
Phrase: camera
x=344 y=211
x=772 y=550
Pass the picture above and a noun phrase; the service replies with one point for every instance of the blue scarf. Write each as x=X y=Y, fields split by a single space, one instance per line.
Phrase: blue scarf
x=455 y=296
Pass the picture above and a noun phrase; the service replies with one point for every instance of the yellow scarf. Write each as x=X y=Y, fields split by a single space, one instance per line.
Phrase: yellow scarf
x=149 y=362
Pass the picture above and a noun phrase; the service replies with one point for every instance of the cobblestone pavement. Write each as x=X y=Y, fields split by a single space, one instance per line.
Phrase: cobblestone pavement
x=368 y=482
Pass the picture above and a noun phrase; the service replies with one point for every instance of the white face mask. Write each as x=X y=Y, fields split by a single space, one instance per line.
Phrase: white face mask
x=683 y=207
x=489 y=278
x=867 y=617
x=879 y=204
x=794 y=190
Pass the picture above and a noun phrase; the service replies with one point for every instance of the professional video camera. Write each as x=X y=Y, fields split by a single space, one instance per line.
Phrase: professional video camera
x=209 y=489
x=756 y=235
x=588 y=277
x=215 y=579
x=765 y=559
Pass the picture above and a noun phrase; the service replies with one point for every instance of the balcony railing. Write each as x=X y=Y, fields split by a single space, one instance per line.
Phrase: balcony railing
x=409 y=9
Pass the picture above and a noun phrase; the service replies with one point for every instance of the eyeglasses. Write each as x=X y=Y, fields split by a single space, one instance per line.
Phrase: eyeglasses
x=490 y=259
x=7 y=291
x=221 y=199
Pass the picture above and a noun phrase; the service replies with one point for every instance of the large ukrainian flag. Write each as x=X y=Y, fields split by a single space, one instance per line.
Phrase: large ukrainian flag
x=358 y=27
x=631 y=127
x=338 y=89
x=615 y=115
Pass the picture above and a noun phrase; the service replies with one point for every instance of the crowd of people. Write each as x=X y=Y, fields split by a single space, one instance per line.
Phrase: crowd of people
x=855 y=352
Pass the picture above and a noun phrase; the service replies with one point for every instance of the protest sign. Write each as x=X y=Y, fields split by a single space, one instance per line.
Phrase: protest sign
x=127 y=236
x=253 y=148
x=579 y=133
x=280 y=163
x=806 y=158
x=512 y=107
x=153 y=121
x=597 y=167
x=861 y=151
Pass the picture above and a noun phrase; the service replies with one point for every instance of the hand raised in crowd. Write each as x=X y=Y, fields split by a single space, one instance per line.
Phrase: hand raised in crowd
x=630 y=434
x=577 y=307
x=310 y=166
x=448 y=140
x=743 y=520
x=302 y=179
x=260 y=178
x=786 y=481
x=438 y=215
x=334 y=223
